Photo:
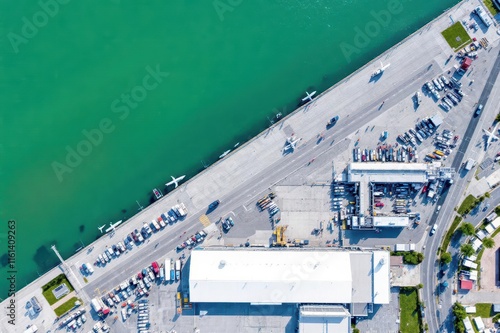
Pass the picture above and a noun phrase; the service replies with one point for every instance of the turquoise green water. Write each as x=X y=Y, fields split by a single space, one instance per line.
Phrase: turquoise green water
x=229 y=68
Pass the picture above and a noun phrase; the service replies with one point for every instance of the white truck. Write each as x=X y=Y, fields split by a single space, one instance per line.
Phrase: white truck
x=404 y=247
x=96 y=305
x=124 y=314
x=155 y=225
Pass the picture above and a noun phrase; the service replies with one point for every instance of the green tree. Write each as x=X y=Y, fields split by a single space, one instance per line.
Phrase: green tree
x=467 y=250
x=488 y=242
x=460 y=314
x=420 y=286
x=497 y=210
x=487 y=194
x=497 y=118
x=467 y=229
x=446 y=258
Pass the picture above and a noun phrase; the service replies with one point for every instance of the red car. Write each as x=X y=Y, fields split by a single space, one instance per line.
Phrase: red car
x=379 y=204
x=424 y=189
x=155 y=266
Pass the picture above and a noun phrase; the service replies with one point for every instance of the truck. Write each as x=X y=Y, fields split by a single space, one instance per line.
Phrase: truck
x=177 y=270
x=96 y=305
x=404 y=247
x=301 y=242
x=124 y=314
x=156 y=268
x=469 y=164
x=181 y=208
x=155 y=225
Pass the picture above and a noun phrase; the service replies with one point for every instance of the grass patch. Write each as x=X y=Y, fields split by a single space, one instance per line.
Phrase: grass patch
x=449 y=234
x=68 y=305
x=47 y=289
x=468 y=204
x=484 y=310
x=408 y=303
x=456 y=36
x=491 y=7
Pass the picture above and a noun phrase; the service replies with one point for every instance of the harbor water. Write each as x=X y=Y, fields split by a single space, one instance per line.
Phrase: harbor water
x=102 y=101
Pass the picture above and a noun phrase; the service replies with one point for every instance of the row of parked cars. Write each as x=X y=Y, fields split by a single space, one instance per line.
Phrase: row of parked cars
x=451 y=97
x=176 y=213
x=74 y=320
x=423 y=129
x=143 y=316
x=192 y=240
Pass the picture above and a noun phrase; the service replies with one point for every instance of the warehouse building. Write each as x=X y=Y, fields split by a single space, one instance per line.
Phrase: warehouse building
x=350 y=279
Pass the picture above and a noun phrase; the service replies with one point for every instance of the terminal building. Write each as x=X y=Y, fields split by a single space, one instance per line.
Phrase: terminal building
x=366 y=175
x=329 y=285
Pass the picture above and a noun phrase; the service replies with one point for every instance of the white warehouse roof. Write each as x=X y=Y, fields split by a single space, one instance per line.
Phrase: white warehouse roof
x=275 y=276
x=380 y=172
x=391 y=221
x=324 y=318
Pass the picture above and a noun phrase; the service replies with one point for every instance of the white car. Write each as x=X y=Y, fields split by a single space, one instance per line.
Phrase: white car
x=434 y=228
x=438 y=208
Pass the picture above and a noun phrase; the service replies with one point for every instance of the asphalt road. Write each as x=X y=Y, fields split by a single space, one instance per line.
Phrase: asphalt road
x=247 y=193
x=438 y=301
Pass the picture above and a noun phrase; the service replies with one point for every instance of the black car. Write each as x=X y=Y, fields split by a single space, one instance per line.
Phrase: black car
x=332 y=121
x=214 y=204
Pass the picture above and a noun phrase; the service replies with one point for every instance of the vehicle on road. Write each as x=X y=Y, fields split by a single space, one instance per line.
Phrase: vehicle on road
x=478 y=110
x=214 y=205
x=434 y=228
x=332 y=121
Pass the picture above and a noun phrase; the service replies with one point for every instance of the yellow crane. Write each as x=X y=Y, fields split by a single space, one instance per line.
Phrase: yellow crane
x=279 y=232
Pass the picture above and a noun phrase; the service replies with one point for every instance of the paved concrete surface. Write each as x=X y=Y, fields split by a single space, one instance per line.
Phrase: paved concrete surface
x=384 y=319
x=489 y=267
x=248 y=173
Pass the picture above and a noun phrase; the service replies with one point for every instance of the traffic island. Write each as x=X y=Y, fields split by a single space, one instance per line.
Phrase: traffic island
x=456 y=36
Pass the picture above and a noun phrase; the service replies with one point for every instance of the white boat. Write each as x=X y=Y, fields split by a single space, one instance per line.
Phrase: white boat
x=157 y=193
x=225 y=153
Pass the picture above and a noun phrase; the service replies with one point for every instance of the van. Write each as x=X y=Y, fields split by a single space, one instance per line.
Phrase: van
x=89 y=268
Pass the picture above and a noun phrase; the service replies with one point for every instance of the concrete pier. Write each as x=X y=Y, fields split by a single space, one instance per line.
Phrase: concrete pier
x=240 y=178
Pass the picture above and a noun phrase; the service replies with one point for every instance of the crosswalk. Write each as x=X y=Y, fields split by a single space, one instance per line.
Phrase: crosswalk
x=205 y=220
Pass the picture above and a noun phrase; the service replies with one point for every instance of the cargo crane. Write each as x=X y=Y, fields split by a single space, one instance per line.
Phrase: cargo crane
x=279 y=232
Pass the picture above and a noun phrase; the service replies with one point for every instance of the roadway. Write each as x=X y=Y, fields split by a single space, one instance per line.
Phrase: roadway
x=439 y=302
x=247 y=193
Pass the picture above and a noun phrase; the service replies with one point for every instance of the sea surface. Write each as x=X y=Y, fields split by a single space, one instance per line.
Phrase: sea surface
x=104 y=100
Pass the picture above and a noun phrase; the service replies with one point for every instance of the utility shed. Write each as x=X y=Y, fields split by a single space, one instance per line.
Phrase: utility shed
x=277 y=276
x=324 y=318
